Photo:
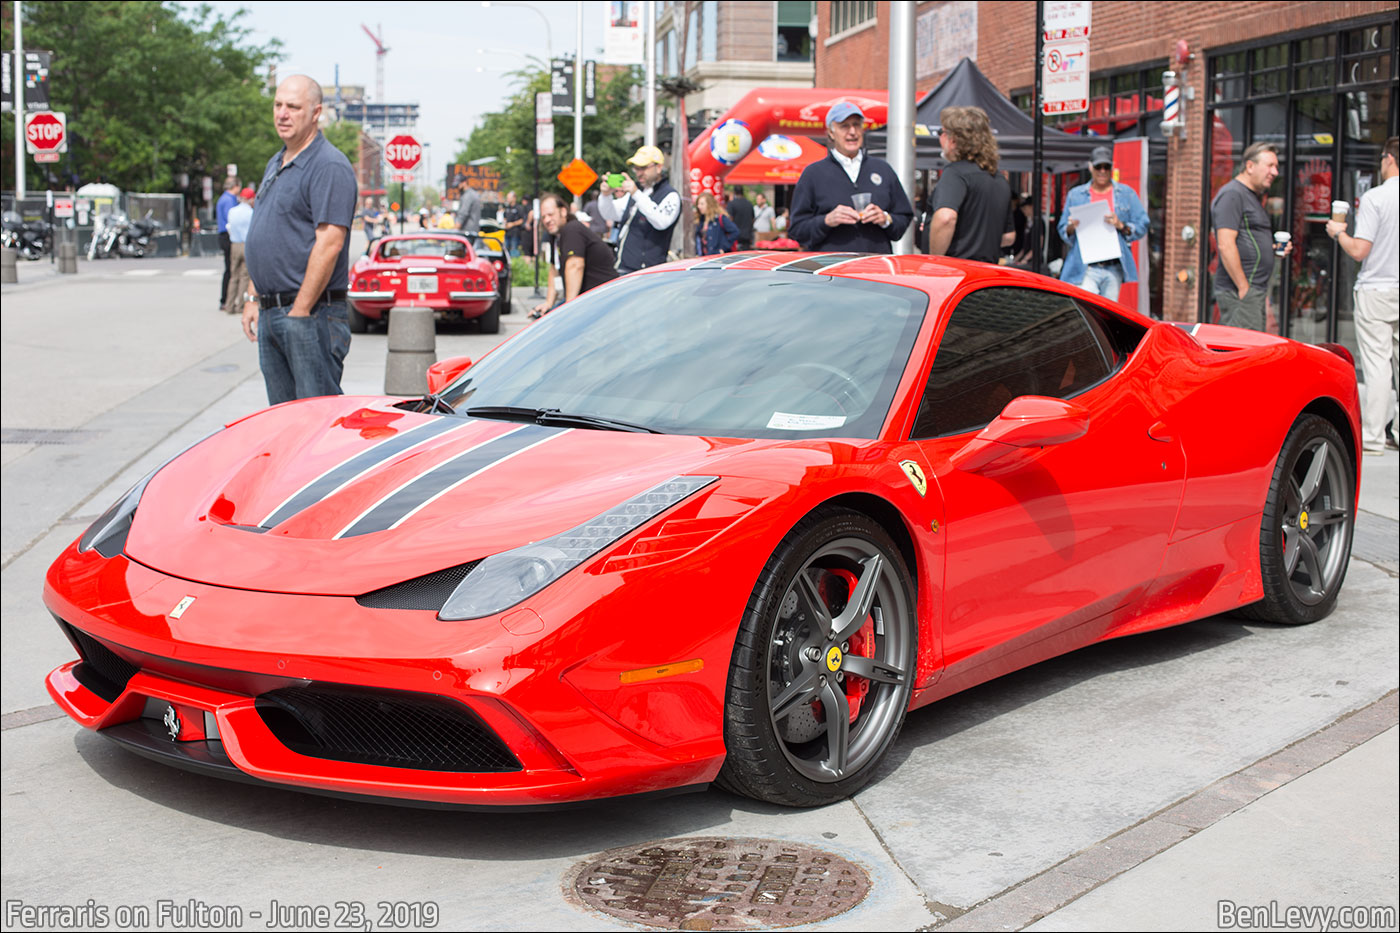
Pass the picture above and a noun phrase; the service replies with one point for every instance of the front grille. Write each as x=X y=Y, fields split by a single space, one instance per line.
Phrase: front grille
x=102 y=671
x=429 y=591
x=383 y=727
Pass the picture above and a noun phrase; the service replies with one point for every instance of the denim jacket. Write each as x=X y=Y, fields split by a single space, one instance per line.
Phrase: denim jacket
x=1129 y=210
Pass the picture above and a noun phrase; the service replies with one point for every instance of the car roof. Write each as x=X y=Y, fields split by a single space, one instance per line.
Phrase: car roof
x=939 y=276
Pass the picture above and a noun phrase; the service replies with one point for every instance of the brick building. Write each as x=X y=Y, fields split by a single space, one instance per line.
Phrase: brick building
x=731 y=47
x=1317 y=79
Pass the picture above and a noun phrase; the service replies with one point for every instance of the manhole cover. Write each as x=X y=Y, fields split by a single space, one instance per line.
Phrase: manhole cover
x=720 y=883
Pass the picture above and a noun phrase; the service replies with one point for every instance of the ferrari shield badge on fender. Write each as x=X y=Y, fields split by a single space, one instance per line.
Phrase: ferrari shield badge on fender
x=915 y=474
x=181 y=606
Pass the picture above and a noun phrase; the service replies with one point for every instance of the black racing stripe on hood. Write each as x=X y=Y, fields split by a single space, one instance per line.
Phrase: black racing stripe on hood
x=817 y=263
x=421 y=490
x=358 y=465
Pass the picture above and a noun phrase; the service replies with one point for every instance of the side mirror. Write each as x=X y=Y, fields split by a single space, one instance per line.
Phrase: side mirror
x=444 y=372
x=1028 y=421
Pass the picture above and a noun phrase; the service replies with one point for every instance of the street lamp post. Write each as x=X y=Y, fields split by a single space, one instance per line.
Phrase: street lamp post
x=548 y=37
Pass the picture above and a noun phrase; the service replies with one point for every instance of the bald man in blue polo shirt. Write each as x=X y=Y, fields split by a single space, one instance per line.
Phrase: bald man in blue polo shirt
x=298 y=253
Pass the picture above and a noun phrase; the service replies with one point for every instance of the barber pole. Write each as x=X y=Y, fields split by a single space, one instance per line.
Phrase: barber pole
x=1171 y=103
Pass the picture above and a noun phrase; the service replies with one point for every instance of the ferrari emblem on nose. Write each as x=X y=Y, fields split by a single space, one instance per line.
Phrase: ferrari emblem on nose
x=172 y=723
x=915 y=474
x=181 y=606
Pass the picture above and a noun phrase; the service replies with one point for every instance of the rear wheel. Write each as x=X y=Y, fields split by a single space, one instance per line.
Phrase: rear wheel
x=359 y=324
x=1305 y=539
x=823 y=665
x=491 y=320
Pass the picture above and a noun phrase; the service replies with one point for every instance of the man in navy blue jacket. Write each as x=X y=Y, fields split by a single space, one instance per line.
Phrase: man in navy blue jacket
x=825 y=216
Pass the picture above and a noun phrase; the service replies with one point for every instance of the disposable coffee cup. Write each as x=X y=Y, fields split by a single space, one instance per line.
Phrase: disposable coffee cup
x=861 y=200
x=1339 y=211
x=1281 y=241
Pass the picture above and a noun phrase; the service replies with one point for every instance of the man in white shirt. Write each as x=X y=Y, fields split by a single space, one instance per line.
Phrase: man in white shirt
x=1376 y=245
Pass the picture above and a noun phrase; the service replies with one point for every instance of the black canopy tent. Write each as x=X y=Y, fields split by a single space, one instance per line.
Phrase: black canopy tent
x=966 y=86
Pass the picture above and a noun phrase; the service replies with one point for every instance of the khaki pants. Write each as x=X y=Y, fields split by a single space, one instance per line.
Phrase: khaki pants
x=1378 y=339
x=1247 y=312
x=238 y=281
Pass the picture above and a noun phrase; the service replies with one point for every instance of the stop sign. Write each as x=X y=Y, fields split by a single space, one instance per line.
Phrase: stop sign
x=44 y=131
x=403 y=153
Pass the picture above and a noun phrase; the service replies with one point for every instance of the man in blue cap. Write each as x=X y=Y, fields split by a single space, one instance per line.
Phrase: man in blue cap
x=850 y=201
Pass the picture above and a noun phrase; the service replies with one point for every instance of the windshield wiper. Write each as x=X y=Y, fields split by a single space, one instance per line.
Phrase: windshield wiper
x=553 y=416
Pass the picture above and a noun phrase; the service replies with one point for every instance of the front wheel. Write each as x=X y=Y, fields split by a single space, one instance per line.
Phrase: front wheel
x=1305 y=538
x=823 y=664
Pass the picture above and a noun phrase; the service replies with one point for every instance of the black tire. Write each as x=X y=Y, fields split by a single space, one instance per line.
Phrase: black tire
x=491 y=321
x=783 y=745
x=1305 y=536
x=359 y=324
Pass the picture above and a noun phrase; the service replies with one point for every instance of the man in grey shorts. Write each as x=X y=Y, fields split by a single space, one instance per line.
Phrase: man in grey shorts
x=298 y=253
x=1244 y=238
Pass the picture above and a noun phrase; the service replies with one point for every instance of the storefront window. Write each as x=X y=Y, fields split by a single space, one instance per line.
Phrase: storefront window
x=1312 y=260
x=1302 y=95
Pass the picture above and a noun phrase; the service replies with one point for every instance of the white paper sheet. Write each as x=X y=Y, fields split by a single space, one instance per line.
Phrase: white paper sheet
x=1098 y=242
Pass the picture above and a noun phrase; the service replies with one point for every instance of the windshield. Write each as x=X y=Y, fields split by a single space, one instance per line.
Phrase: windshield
x=433 y=247
x=712 y=352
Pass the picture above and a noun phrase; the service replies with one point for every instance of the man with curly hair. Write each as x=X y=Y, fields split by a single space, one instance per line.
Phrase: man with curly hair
x=971 y=202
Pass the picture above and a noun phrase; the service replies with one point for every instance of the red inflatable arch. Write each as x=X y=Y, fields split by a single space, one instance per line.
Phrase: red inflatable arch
x=766 y=111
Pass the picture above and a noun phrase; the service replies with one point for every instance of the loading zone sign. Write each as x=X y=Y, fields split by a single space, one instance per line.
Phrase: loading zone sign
x=1066 y=77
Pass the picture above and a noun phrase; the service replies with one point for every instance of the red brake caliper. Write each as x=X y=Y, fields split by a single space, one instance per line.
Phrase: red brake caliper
x=862 y=644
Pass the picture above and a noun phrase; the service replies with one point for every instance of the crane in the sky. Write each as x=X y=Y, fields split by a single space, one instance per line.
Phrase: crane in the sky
x=380 y=50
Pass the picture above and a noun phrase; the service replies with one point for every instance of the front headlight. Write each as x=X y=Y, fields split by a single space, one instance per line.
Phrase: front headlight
x=108 y=533
x=502 y=580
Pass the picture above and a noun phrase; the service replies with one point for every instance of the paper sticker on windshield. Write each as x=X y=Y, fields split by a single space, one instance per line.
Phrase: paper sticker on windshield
x=783 y=421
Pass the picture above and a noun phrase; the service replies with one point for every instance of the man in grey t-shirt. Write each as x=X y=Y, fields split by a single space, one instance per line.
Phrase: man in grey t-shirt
x=1244 y=238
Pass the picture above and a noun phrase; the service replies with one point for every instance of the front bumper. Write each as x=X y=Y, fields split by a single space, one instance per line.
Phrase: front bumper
x=215 y=668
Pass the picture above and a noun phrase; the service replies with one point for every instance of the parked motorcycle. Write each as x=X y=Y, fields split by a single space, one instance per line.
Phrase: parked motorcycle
x=33 y=239
x=119 y=235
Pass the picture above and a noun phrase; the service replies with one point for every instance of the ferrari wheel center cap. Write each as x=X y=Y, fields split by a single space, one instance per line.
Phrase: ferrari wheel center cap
x=833 y=659
x=1303 y=520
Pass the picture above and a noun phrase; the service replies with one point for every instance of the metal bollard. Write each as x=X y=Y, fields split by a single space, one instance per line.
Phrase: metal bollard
x=412 y=349
x=9 y=275
x=67 y=257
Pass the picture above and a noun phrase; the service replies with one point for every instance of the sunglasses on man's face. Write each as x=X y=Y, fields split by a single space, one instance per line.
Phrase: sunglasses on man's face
x=1103 y=168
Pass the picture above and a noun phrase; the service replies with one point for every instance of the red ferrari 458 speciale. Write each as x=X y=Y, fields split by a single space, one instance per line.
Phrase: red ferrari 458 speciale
x=727 y=521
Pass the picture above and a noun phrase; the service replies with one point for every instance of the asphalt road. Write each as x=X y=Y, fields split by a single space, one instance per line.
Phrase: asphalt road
x=1132 y=785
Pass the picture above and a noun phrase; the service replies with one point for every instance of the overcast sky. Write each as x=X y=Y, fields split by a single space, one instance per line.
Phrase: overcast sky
x=432 y=55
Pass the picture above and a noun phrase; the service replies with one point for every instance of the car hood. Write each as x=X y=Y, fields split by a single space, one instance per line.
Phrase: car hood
x=340 y=496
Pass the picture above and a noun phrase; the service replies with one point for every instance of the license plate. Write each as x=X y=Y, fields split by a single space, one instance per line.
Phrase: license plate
x=423 y=284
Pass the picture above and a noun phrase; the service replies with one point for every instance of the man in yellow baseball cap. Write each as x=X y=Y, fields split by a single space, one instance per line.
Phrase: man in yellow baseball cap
x=646 y=212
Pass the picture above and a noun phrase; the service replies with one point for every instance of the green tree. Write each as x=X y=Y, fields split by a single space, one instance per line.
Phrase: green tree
x=509 y=134
x=345 y=137
x=152 y=91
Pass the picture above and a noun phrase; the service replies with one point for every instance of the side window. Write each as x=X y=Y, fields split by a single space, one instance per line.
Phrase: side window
x=1002 y=343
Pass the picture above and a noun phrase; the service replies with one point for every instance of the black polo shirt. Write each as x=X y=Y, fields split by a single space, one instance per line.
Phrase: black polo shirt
x=317 y=187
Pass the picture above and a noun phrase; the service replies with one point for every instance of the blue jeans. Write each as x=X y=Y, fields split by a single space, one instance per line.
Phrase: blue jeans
x=302 y=357
x=1104 y=279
